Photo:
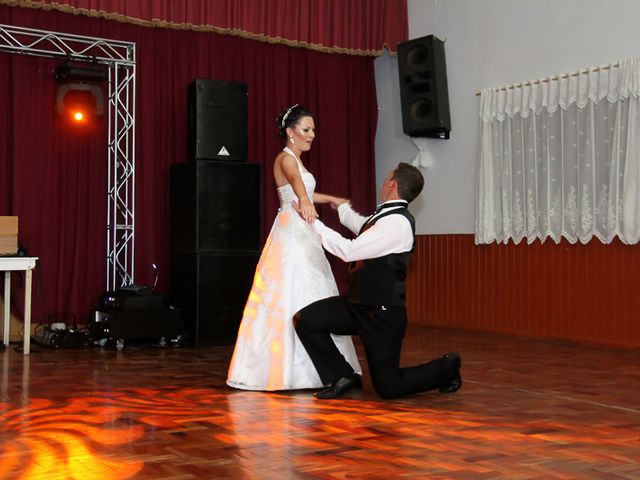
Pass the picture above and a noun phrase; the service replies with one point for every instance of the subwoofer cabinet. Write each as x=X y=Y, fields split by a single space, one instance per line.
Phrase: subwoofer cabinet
x=215 y=235
x=215 y=207
x=211 y=290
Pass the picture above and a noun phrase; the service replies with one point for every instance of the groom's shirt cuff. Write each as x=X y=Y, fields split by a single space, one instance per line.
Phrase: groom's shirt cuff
x=350 y=218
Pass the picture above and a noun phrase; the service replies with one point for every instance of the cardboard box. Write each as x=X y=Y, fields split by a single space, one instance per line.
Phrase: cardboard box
x=8 y=235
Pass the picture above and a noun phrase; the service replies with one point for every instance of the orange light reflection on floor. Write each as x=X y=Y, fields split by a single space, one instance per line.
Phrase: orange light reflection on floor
x=96 y=437
x=61 y=442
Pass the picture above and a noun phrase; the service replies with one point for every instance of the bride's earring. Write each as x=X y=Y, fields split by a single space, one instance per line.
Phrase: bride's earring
x=291 y=138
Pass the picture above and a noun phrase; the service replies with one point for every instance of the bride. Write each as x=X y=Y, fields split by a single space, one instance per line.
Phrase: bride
x=293 y=272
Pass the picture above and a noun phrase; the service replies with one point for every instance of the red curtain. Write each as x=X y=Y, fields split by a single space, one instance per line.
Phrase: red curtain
x=357 y=27
x=55 y=181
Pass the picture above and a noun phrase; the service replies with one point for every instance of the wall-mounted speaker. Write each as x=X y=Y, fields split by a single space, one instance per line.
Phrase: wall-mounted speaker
x=215 y=207
x=217 y=120
x=424 y=96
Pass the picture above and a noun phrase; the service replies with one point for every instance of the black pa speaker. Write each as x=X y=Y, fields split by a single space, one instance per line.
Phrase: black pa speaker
x=136 y=324
x=211 y=291
x=423 y=88
x=215 y=207
x=217 y=120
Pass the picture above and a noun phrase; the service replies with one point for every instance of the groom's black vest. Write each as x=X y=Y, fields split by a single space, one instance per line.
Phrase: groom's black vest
x=381 y=281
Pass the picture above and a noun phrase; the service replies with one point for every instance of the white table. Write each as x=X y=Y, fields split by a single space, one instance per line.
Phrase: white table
x=7 y=265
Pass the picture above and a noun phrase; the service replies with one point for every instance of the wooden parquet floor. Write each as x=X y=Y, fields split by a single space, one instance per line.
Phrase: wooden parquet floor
x=528 y=409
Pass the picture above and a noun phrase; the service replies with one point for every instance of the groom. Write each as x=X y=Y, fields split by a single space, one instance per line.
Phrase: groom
x=375 y=305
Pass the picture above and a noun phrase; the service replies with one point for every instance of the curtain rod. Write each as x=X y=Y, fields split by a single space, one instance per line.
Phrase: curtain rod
x=556 y=77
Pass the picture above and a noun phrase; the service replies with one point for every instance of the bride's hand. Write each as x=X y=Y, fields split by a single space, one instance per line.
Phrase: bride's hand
x=307 y=211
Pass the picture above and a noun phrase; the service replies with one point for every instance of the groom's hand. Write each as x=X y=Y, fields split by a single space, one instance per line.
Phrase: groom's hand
x=337 y=201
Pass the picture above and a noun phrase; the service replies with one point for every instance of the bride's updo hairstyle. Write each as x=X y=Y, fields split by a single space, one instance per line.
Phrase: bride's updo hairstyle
x=290 y=116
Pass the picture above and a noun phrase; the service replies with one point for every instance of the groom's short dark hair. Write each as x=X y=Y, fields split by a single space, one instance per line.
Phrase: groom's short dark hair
x=410 y=181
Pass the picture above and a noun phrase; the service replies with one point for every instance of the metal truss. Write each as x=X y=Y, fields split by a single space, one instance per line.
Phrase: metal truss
x=120 y=58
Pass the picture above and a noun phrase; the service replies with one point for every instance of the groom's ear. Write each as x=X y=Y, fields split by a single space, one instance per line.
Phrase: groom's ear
x=394 y=186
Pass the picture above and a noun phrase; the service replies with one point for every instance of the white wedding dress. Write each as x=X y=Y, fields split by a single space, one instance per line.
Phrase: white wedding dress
x=293 y=272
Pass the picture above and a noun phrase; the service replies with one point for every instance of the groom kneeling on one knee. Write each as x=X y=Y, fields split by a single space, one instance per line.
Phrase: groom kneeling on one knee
x=375 y=304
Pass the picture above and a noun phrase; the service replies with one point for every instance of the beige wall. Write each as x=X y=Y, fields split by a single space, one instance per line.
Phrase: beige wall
x=491 y=43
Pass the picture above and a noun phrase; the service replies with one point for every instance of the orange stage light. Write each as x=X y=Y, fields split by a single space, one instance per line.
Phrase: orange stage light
x=79 y=98
x=78 y=107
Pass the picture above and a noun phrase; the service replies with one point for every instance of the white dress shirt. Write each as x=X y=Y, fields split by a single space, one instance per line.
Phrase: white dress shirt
x=390 y=234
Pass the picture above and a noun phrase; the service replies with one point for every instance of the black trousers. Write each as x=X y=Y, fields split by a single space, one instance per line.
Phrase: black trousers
x=381 y=330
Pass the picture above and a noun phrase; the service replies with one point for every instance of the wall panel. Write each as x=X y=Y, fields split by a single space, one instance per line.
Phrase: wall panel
x=586 y=293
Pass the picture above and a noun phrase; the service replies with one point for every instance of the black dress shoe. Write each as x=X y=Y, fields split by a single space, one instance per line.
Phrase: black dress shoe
x=340 y=387
x=454 y=384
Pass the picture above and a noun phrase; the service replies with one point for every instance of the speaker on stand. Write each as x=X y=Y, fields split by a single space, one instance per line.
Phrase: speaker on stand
x=217 y=120
x=424 y=95
x=215 y=215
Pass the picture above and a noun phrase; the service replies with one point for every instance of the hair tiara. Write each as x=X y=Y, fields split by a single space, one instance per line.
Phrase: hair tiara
x=284 y=117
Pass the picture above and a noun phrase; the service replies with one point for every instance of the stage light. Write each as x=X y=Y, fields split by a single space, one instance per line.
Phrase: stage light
x=79 y=99
x=79 y=103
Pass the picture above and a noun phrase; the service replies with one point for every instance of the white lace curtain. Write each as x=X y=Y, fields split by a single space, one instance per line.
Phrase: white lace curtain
x=560 y=157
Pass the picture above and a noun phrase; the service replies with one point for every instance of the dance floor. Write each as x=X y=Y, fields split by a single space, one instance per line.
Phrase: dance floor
x=528 y=409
